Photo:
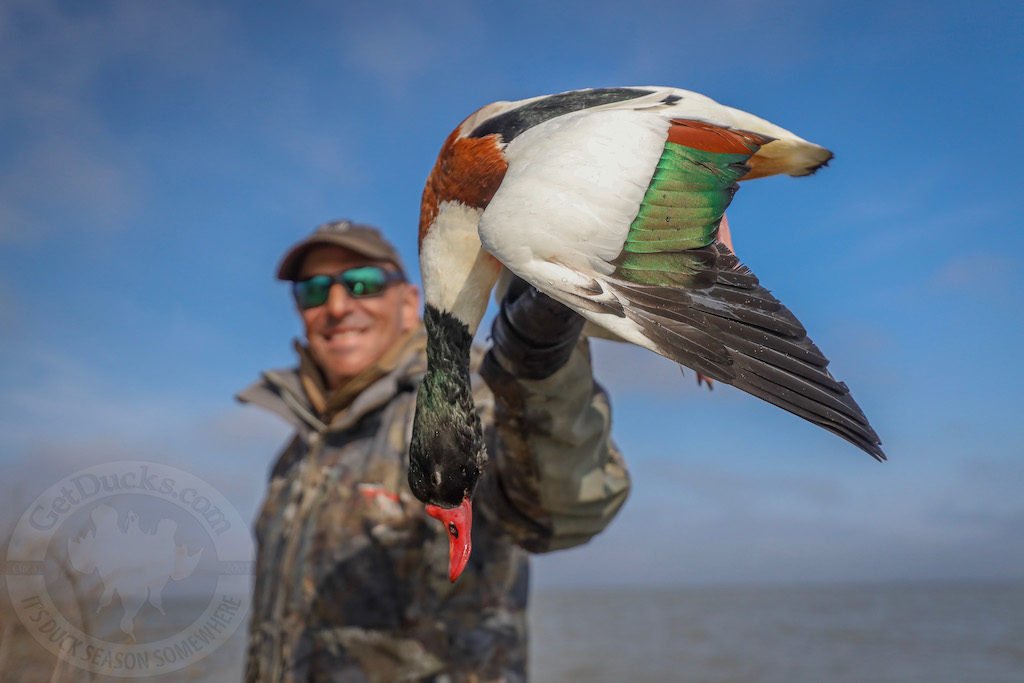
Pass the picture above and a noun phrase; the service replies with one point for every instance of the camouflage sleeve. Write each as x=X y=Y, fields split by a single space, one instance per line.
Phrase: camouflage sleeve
x=555 y=477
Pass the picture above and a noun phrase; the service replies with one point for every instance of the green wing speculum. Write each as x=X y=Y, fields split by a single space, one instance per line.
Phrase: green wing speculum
x=698 y=305
x=680 y=212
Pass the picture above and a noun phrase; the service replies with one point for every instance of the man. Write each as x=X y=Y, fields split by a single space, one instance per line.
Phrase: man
x=351 y=576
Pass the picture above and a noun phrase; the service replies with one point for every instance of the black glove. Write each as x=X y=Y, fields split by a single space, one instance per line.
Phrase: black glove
x=533 y=333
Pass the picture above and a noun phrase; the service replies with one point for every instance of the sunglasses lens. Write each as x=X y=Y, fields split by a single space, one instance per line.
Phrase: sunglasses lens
x=313 y=292
x=365 y=281
x=360 y=282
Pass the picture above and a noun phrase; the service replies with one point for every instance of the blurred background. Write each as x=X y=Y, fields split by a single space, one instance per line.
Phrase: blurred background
x=156 y=159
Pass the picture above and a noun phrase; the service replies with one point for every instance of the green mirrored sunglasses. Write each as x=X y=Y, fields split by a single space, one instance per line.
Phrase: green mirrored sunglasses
x=360 y=282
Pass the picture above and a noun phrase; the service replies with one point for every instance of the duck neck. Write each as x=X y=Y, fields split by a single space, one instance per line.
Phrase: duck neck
x=458 y=275
x=448 y=344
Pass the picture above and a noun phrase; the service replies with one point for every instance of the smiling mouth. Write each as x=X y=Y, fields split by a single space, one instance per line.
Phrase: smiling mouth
x=342 y=334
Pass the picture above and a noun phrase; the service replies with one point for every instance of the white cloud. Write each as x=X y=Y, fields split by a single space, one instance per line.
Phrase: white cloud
x=96 y=185
x=10 y=315
x=707 y=524
x=627 y=369
x=60 y=416
x=922 y=224
x=394 y=53
x=732 y=487
x=395 y=46
x=46 y=382
x=68 y=168
x=710 y=39
x=976 y=270
x=242 y=429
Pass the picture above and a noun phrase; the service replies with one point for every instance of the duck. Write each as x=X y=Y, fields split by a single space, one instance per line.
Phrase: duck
x=611 y=201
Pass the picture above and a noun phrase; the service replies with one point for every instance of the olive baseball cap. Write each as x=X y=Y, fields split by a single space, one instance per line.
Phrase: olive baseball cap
x=364 y=240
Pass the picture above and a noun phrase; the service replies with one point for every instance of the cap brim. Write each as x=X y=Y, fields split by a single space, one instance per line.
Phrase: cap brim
x=292 y=261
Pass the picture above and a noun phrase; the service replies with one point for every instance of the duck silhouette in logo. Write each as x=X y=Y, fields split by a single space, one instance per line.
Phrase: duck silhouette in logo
x=134 y=563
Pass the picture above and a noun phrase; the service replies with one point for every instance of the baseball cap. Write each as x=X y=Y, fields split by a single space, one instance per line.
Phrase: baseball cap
x=364 y=240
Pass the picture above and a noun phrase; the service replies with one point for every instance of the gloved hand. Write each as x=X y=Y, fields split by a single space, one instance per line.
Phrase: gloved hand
x=534 y=334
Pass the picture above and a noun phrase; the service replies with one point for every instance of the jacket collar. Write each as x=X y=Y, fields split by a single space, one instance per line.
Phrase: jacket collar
x=281 y=392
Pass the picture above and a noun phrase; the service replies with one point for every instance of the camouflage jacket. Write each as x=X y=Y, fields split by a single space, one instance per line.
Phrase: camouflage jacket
x=351 y=577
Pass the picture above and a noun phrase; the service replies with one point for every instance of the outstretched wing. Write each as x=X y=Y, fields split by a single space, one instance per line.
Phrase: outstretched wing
x=637 y=253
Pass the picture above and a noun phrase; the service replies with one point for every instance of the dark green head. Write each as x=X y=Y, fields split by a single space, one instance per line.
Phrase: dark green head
x=447 y=453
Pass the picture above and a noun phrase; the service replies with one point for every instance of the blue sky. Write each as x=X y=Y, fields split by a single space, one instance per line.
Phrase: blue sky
x=157 y=158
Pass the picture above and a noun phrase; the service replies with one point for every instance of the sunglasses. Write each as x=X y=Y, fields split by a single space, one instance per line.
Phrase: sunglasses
x=360 y=282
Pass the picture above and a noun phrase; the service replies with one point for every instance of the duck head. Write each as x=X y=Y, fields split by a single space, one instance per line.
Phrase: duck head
x=447 y=453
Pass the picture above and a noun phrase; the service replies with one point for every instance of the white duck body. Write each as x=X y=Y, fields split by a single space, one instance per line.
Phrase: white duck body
x=580 y=187
x=577 y=180
x=573 y=186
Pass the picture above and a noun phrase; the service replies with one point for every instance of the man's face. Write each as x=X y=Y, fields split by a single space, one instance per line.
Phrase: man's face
x=346 y=335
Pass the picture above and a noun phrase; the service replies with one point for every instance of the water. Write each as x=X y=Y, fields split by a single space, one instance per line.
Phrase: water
x=966 y=632
x=933 y=633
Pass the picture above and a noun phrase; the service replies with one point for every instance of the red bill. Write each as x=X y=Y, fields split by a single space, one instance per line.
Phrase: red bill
x=459 y=523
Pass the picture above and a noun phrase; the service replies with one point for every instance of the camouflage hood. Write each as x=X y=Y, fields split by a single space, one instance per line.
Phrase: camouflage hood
x=288 y=392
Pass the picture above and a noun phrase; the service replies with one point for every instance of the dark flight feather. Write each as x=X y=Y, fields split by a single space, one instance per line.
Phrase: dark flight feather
x=734 y=331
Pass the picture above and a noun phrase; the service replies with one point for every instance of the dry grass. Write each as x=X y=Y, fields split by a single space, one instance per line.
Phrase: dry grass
x=22 y=658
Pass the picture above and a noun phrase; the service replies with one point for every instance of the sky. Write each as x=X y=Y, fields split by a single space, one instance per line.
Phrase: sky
x=156 y=160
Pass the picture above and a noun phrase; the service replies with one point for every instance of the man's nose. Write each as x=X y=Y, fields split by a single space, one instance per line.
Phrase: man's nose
x=338 y=301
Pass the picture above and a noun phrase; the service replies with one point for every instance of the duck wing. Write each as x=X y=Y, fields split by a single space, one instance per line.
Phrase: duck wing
x=616 y=212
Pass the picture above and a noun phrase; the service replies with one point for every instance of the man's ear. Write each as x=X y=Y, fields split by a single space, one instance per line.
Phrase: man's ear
x=410 y=307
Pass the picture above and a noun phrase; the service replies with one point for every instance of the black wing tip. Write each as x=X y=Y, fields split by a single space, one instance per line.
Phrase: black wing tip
x=865 y=439
x=862 y=436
